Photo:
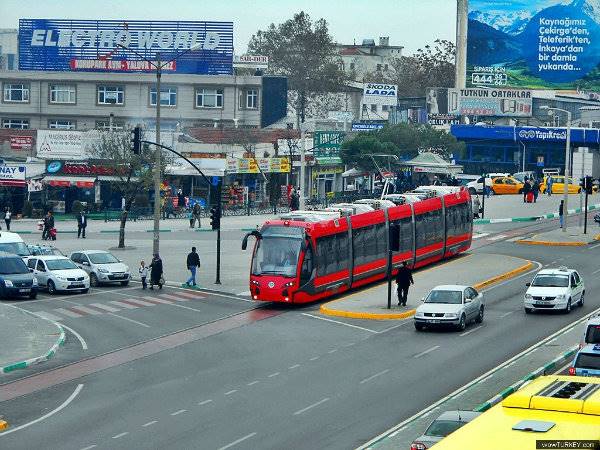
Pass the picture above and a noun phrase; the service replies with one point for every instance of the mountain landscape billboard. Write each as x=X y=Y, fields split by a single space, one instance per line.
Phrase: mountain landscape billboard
x=534 y=44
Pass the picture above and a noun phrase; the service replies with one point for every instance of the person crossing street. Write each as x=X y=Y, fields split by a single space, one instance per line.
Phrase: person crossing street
x=403 y=279
x=193 y=263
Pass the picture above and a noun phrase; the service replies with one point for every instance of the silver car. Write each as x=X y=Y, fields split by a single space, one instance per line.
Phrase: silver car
x=450 y=304
x=103 y=267
x=446 y=423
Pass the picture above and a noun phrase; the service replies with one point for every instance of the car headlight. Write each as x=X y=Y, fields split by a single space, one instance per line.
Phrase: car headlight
x=102 y=270
x=561 y=297
x=451 y=315
x=8 y=283
x=61 y=278
x=528 y=296
x=35 y=281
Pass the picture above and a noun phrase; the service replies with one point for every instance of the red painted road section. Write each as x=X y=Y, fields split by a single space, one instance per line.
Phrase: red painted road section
x=89 y=366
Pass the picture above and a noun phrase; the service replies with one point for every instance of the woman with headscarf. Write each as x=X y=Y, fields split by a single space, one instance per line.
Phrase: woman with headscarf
x=156 y=272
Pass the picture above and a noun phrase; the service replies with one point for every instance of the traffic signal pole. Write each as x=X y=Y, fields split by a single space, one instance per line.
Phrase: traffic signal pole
x=219 y=186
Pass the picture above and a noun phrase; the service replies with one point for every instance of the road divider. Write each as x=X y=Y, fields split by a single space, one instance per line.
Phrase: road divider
x=532 y=218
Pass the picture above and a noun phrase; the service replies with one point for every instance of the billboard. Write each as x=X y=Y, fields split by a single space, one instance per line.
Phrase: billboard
x=327 y=143
x=544 y=44
x=12 y=175
x=380 y=94
x=65 y=144
x=258 y=165
x=447 y=103
x=94 y=45
x=362 y=126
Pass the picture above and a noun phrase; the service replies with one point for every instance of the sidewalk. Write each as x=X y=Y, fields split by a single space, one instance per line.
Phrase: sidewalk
x=26 y=339
x=477 y=270
x=572 y=237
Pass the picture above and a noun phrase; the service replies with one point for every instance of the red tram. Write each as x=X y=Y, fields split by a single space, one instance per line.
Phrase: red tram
x=299 y=261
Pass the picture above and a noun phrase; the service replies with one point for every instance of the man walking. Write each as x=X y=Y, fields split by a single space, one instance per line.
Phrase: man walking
x=403 y=279
x=193 y=262
x=526 y=190
x=549 y=186
x=196 y=213
x=535 y=189
x=560 y=213
x=7 y=217
x=81 y=224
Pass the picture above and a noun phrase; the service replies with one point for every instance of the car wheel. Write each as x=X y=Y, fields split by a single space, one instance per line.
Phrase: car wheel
x=33 y=295
x=418 y=326
x=51 y=287
x=528 y=310
x=462 y=324
x=581 y=299
x=479 y=318
x=568 y=308
x=93 y=280
x=84 y=291
x=124 y=283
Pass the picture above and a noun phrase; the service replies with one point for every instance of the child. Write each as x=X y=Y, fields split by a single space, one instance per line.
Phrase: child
x=143 y=270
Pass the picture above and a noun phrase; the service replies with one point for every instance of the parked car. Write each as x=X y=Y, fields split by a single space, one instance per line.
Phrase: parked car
x=591 y=333
x=448 y=422
x=451 y=304
x=15 y=278
x=103 y=267
x=520 y=176
x=40 y=249
x=477 y=185
x=13 y=243
x=586 y=362
x=558 y=185
x=555 y=289
x=58 y=273
x=506 y=185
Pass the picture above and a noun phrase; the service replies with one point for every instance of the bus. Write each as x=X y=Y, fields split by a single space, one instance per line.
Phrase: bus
x=550 y=408
x=304 y=257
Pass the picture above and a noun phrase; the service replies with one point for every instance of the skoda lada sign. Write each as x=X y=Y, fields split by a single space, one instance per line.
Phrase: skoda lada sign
x=95 y=45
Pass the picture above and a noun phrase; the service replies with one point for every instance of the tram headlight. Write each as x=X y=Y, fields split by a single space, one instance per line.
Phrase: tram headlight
x=255 y=283
x=290 y=284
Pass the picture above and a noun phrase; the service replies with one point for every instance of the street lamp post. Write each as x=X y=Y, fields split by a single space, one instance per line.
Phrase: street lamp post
x=567 y=165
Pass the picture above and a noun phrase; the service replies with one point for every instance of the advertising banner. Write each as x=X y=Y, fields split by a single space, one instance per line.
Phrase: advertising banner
x=251 y=61
x=21 y=142
x=327 y=143
x=543 y=44
x=361 y=126
x=258 y=165
x=443 y=119
x=65 y=144
x=95 y=45
x=12 y=175
x=380 y=94
x=490 y=102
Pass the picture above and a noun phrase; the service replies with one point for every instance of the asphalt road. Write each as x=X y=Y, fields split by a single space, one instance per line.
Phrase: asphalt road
x=227 y=374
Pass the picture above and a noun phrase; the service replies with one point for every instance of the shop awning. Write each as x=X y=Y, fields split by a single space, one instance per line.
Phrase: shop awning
x=65 y=181
x=114 y=178
x=14 y=183
x=354 y=173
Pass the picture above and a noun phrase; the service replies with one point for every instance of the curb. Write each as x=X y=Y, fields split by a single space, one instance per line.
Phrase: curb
x=160 y=231
x=324 y=309
x=532 y=218
x=558 y=243
x=531 y=376
x=45 y=357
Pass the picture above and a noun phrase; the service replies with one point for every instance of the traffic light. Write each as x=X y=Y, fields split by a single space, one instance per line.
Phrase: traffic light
x=588 y=183
x=215 y=217
x=136 y=140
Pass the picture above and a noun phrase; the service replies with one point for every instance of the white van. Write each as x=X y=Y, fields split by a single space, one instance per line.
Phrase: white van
x=13 y=243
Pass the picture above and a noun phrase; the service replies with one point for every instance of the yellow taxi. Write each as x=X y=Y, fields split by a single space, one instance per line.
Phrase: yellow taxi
x=558 y=185
x=506 y=185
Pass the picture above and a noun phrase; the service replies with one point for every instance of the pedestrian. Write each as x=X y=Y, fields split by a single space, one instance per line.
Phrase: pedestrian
x=535 y=189
x=197 y=211
x=7 y=217
x=47 y=232
x=549 y=184
x=403 y=279
x=294 y=200
x=190 y=215
x=526 y=190
x=180 y=199
x=143 y=271
x=81 y=224
x=560 y=213
x=193 y=263
x=476 y=207
x=156 y=272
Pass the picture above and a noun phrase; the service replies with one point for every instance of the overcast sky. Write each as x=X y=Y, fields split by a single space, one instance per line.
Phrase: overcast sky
x=410 y=23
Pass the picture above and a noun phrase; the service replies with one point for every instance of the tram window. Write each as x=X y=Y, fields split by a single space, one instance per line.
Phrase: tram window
x=307 y=265
x=436 y=224
x=421 y=232
x=332 y=254
x=358 y=248
x=406 y=234
x=380 y=241
x=370 y=244
x=342 y=254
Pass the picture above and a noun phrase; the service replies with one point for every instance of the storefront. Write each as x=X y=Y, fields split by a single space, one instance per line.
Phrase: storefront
x=13 y=187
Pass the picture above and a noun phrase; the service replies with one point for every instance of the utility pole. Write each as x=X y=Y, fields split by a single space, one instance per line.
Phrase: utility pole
x=302 y=202
x=157 y=164
x=461 y=44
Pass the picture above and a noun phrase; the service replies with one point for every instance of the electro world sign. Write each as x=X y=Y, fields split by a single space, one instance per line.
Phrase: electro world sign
x=95 y=45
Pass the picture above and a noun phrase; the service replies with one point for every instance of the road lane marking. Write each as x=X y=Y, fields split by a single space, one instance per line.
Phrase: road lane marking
x=429 y=350
x=273 y=375
x=246 y=293
x=120 y=435
x=129 y=320
x=295 y=366
x=77 y=335
x=231 y=444
x=48 y=316
x=86 y=310
x=340 y=323
x=152 y=422
x=378 y=374
x=192 y=296
x=303 y=410
x=333 y=350
x=176 y=413
x=252 y=383
x=51 y=413
x=68 y=313
x=135 y=301
x=122 y=305
x=172 y=297
x=186 y=307
x=158 y=300
x=595 y=246
x=496 y=238
x=595 y=271
x=506 y=314
x=205 y=402
x=89 y=447
x=471 y=331
x=233 y=391
x=314 y=358
x=480 y=235
x=104 y=307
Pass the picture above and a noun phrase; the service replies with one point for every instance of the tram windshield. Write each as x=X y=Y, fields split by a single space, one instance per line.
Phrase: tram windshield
x=278 y=251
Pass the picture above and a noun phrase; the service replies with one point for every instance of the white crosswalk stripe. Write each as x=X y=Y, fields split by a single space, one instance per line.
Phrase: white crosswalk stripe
x=85 y=309
x=47 y=315
x=496 y=238
x=159 y=300
x=66 y=312
x=139 y=302
x=122 y=305
x=172 y=297
x=104 y=307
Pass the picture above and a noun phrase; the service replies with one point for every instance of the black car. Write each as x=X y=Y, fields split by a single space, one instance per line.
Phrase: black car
x=15 y=278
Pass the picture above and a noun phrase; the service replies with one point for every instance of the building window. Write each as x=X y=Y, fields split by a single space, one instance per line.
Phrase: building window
x=252 y=99
x=21 y=124
x=209 y=98
x=364 y=107
x=104 y=125
x=378 y=67
x=11 y=61
x=62 y=93
x=168 y=96
x=61 y=124
x=111 y=95
x=384 y=107
x=373 y=108
x=16 y=92
x=385 y=67
x=351 y=66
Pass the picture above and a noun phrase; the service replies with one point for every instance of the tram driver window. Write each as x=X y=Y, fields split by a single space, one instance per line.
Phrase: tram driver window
x=307 y=265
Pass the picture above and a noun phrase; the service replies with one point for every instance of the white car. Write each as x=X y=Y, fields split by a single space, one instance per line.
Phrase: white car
x=555 y=289
x=58 y=273
x=450 y=304
x=103 y=267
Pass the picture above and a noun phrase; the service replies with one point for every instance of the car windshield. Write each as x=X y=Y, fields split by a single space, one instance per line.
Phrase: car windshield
x=10 y=266
x=592 y=336
x=102 y=258
x=551 y=281
x=277 y=256
x=442 y=428
x=16 y=248
x=60 y=264
x=588 y=361
x=450 y=297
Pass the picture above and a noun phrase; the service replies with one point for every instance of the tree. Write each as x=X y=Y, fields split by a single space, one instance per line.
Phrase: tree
x=133 y=173
x=304 y=52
